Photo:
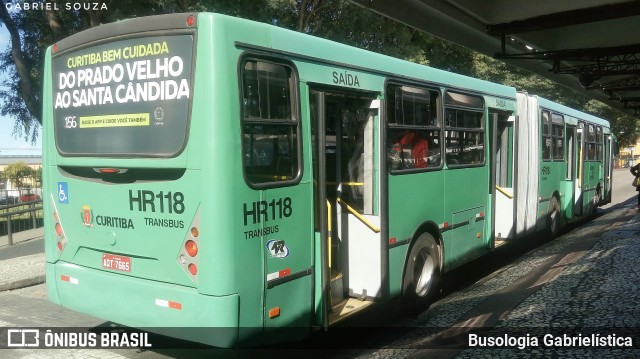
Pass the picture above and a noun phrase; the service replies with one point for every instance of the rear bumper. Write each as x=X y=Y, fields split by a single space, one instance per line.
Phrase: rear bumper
x=165 y=308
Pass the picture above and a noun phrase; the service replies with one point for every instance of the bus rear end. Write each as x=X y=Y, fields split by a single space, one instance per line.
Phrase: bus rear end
x=123 y=184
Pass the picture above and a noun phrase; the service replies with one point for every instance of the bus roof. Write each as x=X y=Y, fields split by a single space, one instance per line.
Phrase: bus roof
x=315 y=49
x=578 y=115
x=124 y=27
x=296 y=45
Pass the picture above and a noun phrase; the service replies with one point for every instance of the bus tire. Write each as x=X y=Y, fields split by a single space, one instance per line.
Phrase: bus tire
x=555 y=219
x=421 y=273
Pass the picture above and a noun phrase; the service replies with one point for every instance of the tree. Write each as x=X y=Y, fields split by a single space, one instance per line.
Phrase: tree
x=36 y=177
x=17 y=173
x=31 y=32
x=339 y=20
x=21 y=91
x=625 y=127
x=299 y=15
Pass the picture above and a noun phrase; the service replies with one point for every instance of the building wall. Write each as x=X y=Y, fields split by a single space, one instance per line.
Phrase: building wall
x=628 y=156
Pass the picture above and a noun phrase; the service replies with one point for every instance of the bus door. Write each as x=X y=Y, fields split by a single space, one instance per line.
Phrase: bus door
x=571 y=175
x=347 y=214
x=502 y=144
x=579 y=164
x=608 y=168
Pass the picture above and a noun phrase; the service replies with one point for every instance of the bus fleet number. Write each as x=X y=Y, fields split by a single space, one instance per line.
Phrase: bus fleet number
x=148 y=201
x=263 y=211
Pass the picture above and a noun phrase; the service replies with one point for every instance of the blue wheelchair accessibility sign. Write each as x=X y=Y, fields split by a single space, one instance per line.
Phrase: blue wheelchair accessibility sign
x=63 y=192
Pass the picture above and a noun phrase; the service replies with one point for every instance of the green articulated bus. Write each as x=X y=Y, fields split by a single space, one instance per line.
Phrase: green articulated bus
x=209 y=172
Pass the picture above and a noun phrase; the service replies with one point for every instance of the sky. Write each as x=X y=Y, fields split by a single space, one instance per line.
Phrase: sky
x=10 y=145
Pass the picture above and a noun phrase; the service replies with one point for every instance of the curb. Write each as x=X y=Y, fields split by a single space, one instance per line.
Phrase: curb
x=22 y=283
x=23 y=271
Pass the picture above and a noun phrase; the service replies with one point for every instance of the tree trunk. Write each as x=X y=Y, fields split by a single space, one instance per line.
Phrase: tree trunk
x=54 y=24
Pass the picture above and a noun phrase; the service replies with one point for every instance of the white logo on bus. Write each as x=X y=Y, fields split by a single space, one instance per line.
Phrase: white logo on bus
x=277 y=248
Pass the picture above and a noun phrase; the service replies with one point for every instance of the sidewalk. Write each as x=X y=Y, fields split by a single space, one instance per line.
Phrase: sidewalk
x=22 y=236
x=22 y=271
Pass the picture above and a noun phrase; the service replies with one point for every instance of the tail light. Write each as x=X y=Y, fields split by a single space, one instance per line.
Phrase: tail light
x=193 y=269
x=60 y=236
x=58 y=229
x=191 y=20
x=188 y=256
x=191 y=247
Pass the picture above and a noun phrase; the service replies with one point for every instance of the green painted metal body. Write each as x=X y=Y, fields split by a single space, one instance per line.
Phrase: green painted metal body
x=589 y=177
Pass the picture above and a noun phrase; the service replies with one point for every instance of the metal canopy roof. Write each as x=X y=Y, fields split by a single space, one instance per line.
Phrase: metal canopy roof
x=592 y=46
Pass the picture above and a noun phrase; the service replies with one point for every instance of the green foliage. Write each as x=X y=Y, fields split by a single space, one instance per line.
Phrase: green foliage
x=337 y=20
x=36 y=177
x=625 y=127
x=17 y=173
x=39 y=29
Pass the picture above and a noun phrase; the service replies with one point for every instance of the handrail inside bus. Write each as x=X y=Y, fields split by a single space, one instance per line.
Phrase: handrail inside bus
x=579 y=179
x=504 y=192
x=329 y=236
x=351 y=184
x=359 y=216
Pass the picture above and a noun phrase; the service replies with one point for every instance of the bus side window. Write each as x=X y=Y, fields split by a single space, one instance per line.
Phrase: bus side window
x=557 y=137
x=464 y=135
x=547 y=146
x=591 y=143
x=599 y=142
x=269 y=127
x=413 y=132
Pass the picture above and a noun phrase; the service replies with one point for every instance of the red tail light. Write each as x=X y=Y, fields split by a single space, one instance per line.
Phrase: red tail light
x=109 y=170
x=191 y=20
x=187 y=257
x=58 y=229
x=193 y=269
x=191 y=247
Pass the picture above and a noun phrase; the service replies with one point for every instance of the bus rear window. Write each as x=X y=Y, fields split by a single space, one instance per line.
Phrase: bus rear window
x=127 y=98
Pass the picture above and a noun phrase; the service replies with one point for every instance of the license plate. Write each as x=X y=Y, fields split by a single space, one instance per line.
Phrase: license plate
x=120 y=263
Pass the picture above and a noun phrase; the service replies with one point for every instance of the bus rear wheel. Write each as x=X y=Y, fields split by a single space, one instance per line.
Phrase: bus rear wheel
x=421 y=273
